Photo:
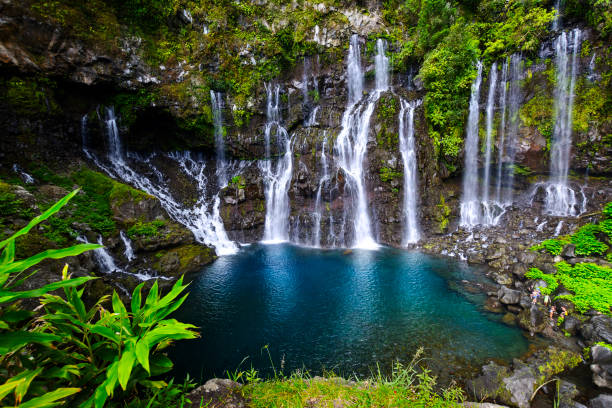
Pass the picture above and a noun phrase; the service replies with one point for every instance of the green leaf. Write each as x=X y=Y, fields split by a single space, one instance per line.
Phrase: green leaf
x=137 y=299
x=153 y=295
x=8 y=296
x=105 y=331
x=23 y=386
x=118 y=306
x=12 y=341
x=10 y=385
x=50 y=399
x=8 y=254
x=142 y=354
x=125 y=368
x=42 y=217
x=48 y=254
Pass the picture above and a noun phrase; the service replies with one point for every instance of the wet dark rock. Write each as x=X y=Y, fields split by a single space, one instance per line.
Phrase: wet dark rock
x=571 y=324
x=602 y=329
x=569 y=251
x=509 y=296
x=602 y=401
x=602 y=366
x=535 y=319
x=493 y=304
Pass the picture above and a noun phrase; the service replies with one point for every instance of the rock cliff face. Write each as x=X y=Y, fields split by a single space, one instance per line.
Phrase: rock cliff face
x=54 y=81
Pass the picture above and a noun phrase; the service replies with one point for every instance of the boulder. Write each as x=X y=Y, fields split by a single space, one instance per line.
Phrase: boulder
x=508 y=296
x=571 y=324
x=569 y=251
x=217 y=392
x=602 y=328
x=521 y=385
x=535 y=319
x=602 y=401
x=602 y=366
x=482 y=405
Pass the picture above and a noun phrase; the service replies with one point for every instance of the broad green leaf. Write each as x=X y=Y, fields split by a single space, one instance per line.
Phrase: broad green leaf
x=105 y=331
x=66 y=372
x=8 y=296
x=118 y=306
x=16 y=315
x=153 y=295
x=8 y=254
x=137 y=299
x=3 y=325
x=23 y=386
x=48 y=254
x=112 y=375
x=50 y=399
x=42 y=217
x=142 y=354
x=125 y=368
x=10 y=385
x=13 y=341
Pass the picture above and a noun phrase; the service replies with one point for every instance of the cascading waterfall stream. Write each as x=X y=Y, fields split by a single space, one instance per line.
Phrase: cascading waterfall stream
x=351 y=143
x=318 y=202
x=488 y=207
x=127 y=243
x=514 y=100
x=560 y=198
x=216 y=99
x=408 y=152
x=277 y=178
x=204 y=222
x=502 y=130
x=470 y=205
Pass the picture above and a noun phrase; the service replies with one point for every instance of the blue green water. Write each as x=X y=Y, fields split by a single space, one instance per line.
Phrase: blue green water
x=324 y=310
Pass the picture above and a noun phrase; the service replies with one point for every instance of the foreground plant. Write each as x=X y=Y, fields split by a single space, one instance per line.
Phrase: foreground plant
x=70 y=353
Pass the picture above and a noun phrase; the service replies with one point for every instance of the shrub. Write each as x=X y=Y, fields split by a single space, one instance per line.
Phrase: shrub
x=551 y=281
x=71 y=353
x=587 y=243
x=146 y=229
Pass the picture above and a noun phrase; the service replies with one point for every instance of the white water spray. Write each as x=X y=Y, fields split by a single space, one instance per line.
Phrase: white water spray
x=408 y=152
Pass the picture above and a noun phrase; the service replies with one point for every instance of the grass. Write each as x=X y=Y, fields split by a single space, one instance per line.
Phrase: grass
x=406 y=386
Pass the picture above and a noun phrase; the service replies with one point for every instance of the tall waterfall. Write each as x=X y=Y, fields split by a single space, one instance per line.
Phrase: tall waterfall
x=490 y=209
x=351 y=143
x=277 y=178
x=557 y=21
x=382 y=65
x=407 y=149
x=318 y=201
x=470 y=205
x=202 y=218
x=502 y=131
x=560 y=198
x=216 y=99
x=514 y=100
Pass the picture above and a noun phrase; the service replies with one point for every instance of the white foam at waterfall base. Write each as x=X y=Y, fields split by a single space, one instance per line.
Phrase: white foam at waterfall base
x=470 y=205
x=408 y=152
x=201 y=219
x=560 y=198
x=277 y=176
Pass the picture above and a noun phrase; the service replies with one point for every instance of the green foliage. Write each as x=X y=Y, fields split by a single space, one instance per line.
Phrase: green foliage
x=590 y=283
x=447 y=73
x=557 y=361
x=70 y=353
x=16 y=335
x=521 y=27
x=586 y=242
x=551 y=281
x=238 y=182
x=386 y=174
x=552 y=246
x=146 y=229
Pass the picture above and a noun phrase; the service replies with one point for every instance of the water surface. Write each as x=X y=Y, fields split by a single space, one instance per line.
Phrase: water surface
x=324 y=310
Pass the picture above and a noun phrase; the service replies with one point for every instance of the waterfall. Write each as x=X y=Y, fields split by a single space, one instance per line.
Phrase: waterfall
x=351 y=143
x=514 y=100
x=115 y=154
x=489 y=140
x=105 y=261
x=470 y=205
x=502 y=130
x=407 y=149
x=127 y=243
x=201 y=219
x=382 y=65
x=557 y=21
x=216 y=99
x=277 y=178
x=318 y=202
x=25 y=177
x=560 y=198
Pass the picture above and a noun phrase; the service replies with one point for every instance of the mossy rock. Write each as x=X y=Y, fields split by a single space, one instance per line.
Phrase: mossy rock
x=184 y=259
